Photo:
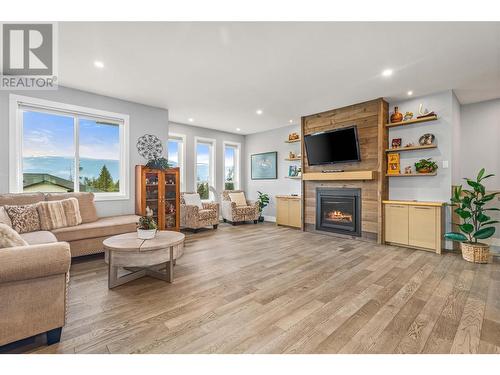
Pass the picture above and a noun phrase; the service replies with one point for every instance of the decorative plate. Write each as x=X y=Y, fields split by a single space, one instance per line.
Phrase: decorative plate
x=149 y=146
x=426 y=139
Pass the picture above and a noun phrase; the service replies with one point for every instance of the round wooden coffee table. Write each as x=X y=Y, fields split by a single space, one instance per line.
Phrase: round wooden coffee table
x=155 y=257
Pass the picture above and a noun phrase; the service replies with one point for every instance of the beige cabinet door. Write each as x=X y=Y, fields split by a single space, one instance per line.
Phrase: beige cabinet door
x=396 y=223
x=282 y=211
x=422 y=227
x=294 y=213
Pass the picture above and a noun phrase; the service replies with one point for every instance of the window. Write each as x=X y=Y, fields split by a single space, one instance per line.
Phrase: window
x=205 y=168
x=60 y=148
x=177 y=154
x=231 y=166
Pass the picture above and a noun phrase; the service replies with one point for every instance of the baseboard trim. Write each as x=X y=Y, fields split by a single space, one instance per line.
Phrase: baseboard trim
x=272 y=219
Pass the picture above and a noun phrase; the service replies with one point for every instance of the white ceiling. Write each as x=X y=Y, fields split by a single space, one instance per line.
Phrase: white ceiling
x=220 y=73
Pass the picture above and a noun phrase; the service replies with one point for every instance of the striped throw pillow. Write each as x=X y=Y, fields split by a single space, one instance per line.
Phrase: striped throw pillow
x=59 y=214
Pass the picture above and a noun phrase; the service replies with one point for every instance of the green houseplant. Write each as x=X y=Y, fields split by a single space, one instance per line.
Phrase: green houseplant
x=426 y=166
x=263 y=201
x=477 y=225
x=146 y=228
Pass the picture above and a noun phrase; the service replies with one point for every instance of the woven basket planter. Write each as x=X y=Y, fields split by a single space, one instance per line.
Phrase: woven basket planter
x=475 y=252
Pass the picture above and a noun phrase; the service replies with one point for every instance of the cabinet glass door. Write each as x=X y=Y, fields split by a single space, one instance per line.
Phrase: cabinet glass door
x=152 y=194
x=170 y=200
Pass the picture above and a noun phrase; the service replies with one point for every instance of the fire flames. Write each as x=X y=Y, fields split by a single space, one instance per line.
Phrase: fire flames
x=339 y=216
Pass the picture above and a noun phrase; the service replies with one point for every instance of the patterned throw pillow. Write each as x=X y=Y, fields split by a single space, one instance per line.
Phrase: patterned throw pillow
x=59 y=214
x=24 y=218
x=9 y=237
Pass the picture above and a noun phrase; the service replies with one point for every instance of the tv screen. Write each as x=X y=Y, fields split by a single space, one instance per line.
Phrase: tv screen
x=335 y=146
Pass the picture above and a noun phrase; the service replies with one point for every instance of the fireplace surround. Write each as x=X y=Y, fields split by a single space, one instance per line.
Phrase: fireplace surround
x=338 y=210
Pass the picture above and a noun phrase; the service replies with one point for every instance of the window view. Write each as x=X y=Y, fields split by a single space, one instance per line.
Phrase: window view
x=203 y=166
x=230 y=167
x=49 y=153
x=175 y=156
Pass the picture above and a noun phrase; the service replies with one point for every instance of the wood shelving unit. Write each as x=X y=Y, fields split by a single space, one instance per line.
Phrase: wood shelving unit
x=294 y=177
x=409 y=122
x=293 y=159
x=294 y=141
x=413 y=148
x=412 y=174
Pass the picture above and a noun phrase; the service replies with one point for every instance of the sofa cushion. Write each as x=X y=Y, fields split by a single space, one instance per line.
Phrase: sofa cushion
x=20 y=199
x=193 y=199
x=86 y=204
x=10 y=238
x=39 y=237
x=4 y=218
x=238 y=198
x=103 y=227
x=24 y=218
x=207 y=214
x=59 y=214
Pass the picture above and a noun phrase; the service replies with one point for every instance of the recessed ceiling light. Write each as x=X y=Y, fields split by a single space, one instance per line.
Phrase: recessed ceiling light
x=99 y=64
x=290 y=121
x=259 y=111
x=387 y=73
x=190 y=119
x=238 y=129
x=410 y=93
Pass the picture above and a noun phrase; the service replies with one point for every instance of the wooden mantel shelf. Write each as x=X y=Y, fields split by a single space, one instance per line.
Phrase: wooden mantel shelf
x=339 y=176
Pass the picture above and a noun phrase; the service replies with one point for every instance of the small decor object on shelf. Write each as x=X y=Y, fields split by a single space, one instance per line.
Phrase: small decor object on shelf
x=146 y=228
x=471 y=207
x=293 y=171
x=291 y=155
x=393 y=166
x=408 y=116
x=158 y=163
x=408 y=169
x=396 y=116
x=293 y=136
x=396 y=143
x=426 y=166
x=410 y=144
x=425 y=112
x=263 y=201
x=149 y=146
x=426 y=140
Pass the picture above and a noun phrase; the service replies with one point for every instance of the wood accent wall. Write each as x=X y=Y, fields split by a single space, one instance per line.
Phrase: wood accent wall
x=370 y=119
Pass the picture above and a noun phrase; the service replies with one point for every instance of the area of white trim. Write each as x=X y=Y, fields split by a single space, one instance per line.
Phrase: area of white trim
x=16 y=138
x=212 y=160
x=182 y=138
x=271 y=219
x=237 y=172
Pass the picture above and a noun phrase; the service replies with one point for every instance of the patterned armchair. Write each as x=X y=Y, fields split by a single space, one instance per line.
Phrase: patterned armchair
x=193 y=217
x=234 y=214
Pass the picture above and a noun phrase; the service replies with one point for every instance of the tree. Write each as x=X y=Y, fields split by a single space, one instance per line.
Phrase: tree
x=105 y=182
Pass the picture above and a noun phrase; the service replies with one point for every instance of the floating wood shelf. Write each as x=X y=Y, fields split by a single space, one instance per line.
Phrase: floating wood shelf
x=339 y=176
x=293 y=159
x=409 y=122
x=413 y=148
x=293 y=141
x=412 y=174
x=294 y=177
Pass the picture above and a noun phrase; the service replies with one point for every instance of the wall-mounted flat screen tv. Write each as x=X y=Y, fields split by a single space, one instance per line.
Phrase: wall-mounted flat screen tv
x=334 y=146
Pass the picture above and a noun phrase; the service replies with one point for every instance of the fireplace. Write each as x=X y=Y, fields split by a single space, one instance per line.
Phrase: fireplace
x=339 y=210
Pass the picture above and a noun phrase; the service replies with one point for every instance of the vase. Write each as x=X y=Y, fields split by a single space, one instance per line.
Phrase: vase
x=146 y=234
x=396 y=116
x=475 y=252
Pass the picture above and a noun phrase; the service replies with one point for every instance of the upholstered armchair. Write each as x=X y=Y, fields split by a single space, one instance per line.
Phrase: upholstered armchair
x=196 y=214
x=235 y=207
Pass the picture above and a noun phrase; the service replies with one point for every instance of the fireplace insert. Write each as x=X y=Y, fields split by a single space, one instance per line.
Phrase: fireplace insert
x=339 y=210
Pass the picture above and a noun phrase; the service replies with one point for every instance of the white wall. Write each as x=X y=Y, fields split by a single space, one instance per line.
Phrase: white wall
x=272 y=140
x=143 y=120
x=194 y=131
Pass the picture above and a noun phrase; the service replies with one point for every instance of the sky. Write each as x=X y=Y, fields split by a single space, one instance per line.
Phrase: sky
x=53 y=135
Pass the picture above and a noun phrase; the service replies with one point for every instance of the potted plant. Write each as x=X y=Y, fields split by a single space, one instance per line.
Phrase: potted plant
x=146 y=228
x=263 y=201
x=426 y=166
x=477 y=225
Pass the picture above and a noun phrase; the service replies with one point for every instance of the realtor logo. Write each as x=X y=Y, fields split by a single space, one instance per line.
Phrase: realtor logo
x=28 y=56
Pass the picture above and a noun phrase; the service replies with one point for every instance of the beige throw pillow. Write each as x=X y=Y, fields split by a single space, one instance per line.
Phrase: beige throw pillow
x=88 y=210
x=238 y=198
x=10 y=238
x=193 y=200
x=59 y=214
x=4 y=218
x=24 y=218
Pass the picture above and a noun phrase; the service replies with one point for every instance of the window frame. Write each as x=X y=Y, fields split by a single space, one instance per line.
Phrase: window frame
x=237 y=163
x=211 y=166
x=18 y=104
x=180 y=138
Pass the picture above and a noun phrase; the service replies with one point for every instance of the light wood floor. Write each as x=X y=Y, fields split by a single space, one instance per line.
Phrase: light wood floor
x=267 y=289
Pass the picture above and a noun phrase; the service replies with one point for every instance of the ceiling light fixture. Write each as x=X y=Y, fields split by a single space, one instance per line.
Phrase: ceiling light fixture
x=290 y=121
x=387 y=73
x=190 y=119
x=99 y=64
x=410 y=93
x=259 y=111
x=238 y=129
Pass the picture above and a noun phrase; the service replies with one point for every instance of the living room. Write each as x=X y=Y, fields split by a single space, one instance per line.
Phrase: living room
x=257 y=194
